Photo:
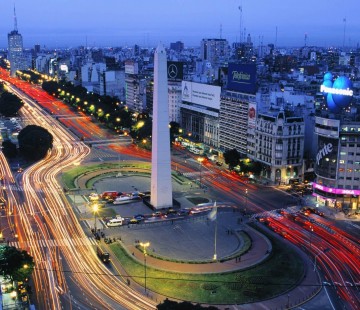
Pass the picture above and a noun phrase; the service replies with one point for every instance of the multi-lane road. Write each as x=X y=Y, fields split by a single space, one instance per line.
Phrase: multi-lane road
x=41 y=214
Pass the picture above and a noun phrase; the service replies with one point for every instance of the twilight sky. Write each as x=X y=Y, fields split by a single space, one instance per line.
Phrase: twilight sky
x=67 y=23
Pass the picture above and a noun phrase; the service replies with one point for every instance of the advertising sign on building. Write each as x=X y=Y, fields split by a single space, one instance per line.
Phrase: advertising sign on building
x=202 y=94
x=242 y=78
x=174 y=70
x=338 y=92
x=252 y=115
x=326 y=157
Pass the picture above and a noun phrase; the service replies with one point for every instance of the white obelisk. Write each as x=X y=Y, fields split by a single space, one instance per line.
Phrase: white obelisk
x=161 y=188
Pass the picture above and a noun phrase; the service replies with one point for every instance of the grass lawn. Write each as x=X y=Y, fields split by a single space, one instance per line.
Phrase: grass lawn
x=282 y=270
x=69 y=176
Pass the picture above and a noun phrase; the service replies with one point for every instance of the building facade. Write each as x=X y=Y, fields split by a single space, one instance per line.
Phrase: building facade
x=279 y=145
x=199 y=112
x=337 y=164
x=234 y=115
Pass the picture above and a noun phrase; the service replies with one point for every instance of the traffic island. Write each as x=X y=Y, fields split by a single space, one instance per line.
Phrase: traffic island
x=240 y=284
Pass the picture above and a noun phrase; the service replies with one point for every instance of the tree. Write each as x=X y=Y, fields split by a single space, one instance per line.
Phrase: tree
x=174 y=130
x=9 y=149
x=9 y=104
x=15 y=264
x=232 y=158
x=34 y=142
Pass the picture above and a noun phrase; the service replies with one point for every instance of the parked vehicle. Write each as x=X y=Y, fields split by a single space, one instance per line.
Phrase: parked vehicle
x=139 y=217
x=118 y=221
x=104 y=256
x=93 y=196
x=109 y=195
x=134 y=221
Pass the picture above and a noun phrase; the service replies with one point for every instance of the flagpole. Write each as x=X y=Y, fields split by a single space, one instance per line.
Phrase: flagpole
x=215 y=255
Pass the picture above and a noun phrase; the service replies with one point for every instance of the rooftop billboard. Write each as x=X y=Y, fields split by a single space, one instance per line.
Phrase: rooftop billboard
x=202 y=94
x=242 y=78
x=338 y=92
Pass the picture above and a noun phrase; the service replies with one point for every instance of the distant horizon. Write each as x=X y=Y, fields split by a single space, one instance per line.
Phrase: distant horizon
x=118 y=24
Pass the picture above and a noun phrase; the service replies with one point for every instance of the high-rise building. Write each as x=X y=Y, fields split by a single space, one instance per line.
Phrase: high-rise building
x=215 y=50
x=178 y=46
x=161 y=188
x=234 y=115
x=15 y=49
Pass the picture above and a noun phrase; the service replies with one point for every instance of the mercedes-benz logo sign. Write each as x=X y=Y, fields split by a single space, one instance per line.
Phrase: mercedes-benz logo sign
x=172 y=71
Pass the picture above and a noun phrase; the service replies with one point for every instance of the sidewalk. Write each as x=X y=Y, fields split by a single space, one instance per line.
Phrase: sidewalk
x=261 y=247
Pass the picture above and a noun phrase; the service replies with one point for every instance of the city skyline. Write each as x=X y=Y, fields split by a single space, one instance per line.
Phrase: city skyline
x=58 y=24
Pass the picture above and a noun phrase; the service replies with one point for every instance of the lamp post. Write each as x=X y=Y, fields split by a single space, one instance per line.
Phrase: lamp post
x=246 y=198
x=311 y=233
x=200 y=160
x=95 y=209
x=144 y=245
x=324 y=251
x=288 y=302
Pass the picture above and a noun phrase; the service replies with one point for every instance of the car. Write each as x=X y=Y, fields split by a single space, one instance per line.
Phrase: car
x=94 y=196
x=183 y=212
x=157 y=214
x=326 y=283
x=134 y=221
x=171 y=211
x=139 y=217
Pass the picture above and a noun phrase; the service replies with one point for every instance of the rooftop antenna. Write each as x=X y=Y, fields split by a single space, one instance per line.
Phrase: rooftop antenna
x=15 y=20
x=276 y=32
x=306 y=37
x=240 y=9
x=344 y=20
x=220 y=31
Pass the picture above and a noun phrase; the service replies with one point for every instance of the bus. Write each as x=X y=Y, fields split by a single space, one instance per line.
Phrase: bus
x=104 y=256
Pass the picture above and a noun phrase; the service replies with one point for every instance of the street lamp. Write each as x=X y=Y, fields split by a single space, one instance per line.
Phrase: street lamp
x=246 y=198
x=95 y=209
x=311 y=233
x=145 y=245
x=200 y=160
x=324 y=251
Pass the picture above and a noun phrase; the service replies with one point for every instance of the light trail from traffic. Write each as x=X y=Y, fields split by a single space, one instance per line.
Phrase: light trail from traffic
x=46 y=215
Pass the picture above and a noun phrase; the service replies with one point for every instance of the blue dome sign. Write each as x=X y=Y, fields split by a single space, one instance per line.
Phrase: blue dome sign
x=338 y=93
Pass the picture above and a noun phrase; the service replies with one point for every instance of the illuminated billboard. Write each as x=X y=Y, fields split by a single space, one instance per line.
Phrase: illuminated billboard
x=242 y=78
x=252 y=115
x=202 y=94
x=338 y=92
x=174 y=70
x=326 y=157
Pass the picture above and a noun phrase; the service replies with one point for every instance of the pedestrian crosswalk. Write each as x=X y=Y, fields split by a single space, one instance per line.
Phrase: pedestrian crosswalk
x=54 y=243
x=17 y=188
x=274 y=213
x=197 y=173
